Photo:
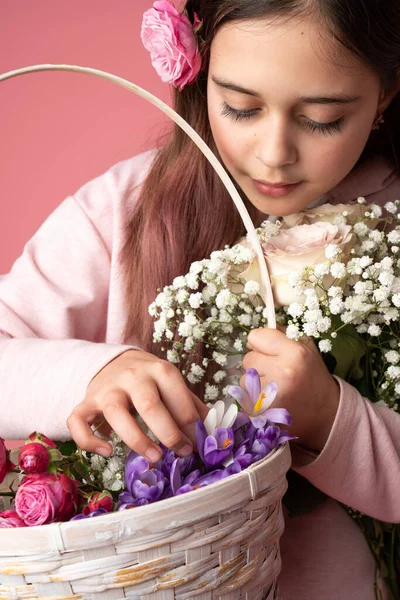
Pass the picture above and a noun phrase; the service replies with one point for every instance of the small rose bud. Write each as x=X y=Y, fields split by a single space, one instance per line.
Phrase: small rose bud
x=41 y=439
x=5 y=464
x=33 y=458
x=101 y=500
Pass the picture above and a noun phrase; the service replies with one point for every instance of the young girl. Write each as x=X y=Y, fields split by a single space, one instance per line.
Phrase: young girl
x=298 y=99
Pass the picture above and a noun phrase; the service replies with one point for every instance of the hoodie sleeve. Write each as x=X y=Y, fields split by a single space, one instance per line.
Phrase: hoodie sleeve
x=54 y=308
x=360 y=463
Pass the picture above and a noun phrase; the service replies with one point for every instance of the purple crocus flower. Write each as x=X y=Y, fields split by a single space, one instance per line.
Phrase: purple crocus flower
x=265 y=440
x=169 y=457
x=215 y=448
x=94 y=513
x=126 y=501
x=256 y=401
x=240 y=459
x=142 y=482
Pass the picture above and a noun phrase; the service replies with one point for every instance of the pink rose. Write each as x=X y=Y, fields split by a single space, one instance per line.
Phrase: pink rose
x=44 y=498
x=295 y=248
x=33 y=458
x=5 y=464
x=101 y=500
x=9 y=519
x=169 y=37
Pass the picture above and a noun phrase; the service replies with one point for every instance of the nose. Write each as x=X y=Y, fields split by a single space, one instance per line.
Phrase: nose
x=275 y=147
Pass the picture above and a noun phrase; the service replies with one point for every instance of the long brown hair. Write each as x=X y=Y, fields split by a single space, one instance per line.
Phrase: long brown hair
x=183 y=212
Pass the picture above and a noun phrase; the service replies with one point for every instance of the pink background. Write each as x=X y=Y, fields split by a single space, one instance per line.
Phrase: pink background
x=58 y=130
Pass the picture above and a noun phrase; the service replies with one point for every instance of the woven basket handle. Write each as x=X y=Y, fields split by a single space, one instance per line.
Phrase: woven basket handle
x=266 y=291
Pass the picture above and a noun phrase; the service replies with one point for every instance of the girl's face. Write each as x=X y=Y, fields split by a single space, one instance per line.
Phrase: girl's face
x=290 y=118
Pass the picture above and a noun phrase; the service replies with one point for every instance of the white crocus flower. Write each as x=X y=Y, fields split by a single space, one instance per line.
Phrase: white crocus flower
x=220 y=417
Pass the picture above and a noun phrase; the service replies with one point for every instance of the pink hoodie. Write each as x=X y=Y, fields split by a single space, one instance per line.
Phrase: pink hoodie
x=62 y=316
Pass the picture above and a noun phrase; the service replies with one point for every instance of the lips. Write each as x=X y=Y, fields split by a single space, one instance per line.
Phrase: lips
x=275 y=190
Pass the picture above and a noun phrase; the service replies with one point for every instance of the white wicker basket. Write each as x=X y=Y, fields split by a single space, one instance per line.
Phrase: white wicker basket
x=221 y=541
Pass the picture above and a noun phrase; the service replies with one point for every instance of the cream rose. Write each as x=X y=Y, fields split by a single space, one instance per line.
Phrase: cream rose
x=325 y=213
x=295 y=248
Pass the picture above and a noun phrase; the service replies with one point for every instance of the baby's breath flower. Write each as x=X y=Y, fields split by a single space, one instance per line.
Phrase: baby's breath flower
x=374 y=330
x=338 y=270
x=376 y=210
x=325 y=345
x=293 y=332
x=392 y=357
x=172 y=356
x=295 y=309
x=394 y=236
x=393 y=372
x=179 y=282
x=219 y=358
x=245 y=320
x=391 y=207
x=192 y=281
x=211 y=392
x=238 y=345
x=196 y=300
x=361 y=200
x=252 y=288
x=332 y=251
x=219 y=376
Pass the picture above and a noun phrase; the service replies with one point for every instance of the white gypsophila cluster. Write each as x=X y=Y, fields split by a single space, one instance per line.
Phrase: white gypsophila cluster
x=212 y=309
x=112 y=469
x=353 y=292
x=356 y=295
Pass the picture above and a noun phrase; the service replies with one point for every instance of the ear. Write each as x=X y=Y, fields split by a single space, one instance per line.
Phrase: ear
x=387 y=96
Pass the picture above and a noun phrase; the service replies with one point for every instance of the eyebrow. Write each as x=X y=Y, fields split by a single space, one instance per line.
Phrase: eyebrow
x=335 y=99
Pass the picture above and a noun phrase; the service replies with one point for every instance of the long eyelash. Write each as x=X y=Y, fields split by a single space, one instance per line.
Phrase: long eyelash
x=237 y=115
x=324 y=128
x=313 y=126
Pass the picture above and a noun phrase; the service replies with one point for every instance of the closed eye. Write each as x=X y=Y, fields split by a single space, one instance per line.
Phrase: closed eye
x=313 y=126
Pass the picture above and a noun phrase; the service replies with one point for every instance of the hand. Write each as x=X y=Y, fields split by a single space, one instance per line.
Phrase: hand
x=136 y=380
x=305 y=386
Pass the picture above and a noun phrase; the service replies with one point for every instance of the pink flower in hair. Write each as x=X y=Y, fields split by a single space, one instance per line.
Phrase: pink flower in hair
x=170 y=38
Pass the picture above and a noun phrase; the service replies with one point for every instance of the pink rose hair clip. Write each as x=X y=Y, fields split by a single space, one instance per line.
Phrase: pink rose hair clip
x=171 y=39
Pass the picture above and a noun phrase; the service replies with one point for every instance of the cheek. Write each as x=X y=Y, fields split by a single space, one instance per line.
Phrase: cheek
x=333 y=163
x=232 y=145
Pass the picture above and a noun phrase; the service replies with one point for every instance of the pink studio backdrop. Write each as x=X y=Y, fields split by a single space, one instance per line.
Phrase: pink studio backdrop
x=59 y=130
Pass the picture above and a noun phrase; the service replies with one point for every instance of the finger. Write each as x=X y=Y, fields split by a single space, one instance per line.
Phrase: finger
x=116 y=412
x=269 y=341
x=266 y=366
x=202 y=409
x=155 y=414
x=179 y=400
x=79 y=425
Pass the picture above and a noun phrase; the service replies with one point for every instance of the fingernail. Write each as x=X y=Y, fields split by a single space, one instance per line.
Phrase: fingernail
x=106 y=452
x=186 y=450
x=153 y=455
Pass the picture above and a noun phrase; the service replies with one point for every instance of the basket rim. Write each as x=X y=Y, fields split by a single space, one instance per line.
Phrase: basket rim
x=157 y=518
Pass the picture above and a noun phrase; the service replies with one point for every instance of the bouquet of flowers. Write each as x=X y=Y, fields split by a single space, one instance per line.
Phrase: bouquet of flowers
x=60 y=482
x=335 y=274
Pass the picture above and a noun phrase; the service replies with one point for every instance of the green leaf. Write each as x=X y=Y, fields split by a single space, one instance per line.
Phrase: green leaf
x=348 y=349
x=67 y=448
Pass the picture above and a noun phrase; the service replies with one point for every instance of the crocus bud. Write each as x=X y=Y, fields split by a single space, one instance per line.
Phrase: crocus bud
x=101 y=500
x=33 y=458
